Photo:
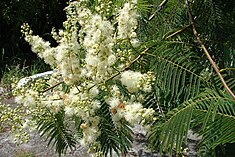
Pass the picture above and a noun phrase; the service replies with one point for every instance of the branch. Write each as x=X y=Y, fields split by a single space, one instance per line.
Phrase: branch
x=178 y=31
x=57 y=84
x=130 y=64
x=160 y=7
x=216 y=68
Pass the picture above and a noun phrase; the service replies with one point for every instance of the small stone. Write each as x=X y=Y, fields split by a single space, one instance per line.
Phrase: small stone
x=2 y=90
x=139 y=137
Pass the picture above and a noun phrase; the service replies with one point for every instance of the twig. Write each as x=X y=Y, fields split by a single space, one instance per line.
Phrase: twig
x=129 y=65
x=216 y=68
x=178 y=31
x=221 y=70
x=160 y=7
x=52 y=87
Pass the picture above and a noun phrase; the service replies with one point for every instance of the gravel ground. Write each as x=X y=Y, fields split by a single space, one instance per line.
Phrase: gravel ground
x=37 y=146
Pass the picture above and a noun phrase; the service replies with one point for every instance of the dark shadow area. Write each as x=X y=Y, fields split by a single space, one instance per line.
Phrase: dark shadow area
x=41 y=15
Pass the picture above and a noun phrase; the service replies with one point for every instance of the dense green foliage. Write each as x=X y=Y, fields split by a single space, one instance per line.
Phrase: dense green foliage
x=188 y=89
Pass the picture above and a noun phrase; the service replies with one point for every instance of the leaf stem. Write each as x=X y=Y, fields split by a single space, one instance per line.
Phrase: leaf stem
x=57 y=84
x=178 y=31
x=221 y=70
x=160 y=7
x=214 y=65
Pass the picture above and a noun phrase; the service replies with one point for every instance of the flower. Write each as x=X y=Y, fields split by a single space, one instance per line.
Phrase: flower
x=132 y=113
x=127 y=21
x=114 y=102
x=135 y=81
x=111 y=59
x=69 y=111
x=94 y=91
x=131 y=80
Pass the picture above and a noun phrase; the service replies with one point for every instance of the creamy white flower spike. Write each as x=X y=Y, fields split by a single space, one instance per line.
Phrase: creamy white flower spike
x=98 y=43
x=127 y=21
x=39 y=46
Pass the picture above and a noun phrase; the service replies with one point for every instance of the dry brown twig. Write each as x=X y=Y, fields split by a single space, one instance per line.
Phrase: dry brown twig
x=160 y=7
x=178 y=31
x=214 y=65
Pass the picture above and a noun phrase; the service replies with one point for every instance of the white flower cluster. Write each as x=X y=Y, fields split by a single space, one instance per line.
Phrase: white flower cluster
x=85 y=58
x=104 y=7
x=80 y=103
x=90 y=131
x=116 y=108
x=68 y=63
x=29 y=98
x=53 y=102
x=67 y=52
x=83 y=105
x=39 y=46
x=127 y=23
x=135 y=81
x=135 y=113
x=130 y=110
x=63 y=57
x=33 y=99
x=76 y=103
x=98 y=43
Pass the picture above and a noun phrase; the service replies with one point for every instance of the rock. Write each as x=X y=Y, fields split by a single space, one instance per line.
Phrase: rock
x=193 y=136
x=2 y=90
x=25 y=80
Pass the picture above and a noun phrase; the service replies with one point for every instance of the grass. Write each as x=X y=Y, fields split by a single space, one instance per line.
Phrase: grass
x=23 y=153
x=13 y=73
x=1 y=128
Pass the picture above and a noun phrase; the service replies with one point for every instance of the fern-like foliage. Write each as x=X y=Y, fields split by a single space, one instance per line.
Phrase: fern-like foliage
x=113 y=137
x=217 y=117
x=215 y=21
x=168 y=134
x=187 y=92
x=229 y=80
x=210 y=110
x=56 y=131
x=179 y=73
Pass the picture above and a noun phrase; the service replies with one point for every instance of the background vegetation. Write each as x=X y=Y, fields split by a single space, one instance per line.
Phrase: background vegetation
x=42 y=15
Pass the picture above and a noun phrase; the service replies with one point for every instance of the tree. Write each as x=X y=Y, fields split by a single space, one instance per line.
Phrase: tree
x=125 y=62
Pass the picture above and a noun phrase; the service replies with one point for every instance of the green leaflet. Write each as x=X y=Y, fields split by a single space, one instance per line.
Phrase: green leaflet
x=113 y=137
x=56 y=131
x=213 y=112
